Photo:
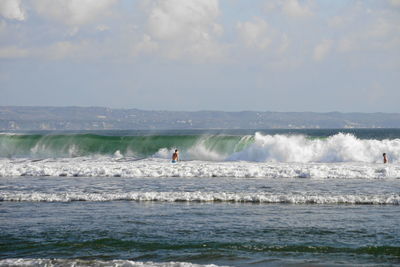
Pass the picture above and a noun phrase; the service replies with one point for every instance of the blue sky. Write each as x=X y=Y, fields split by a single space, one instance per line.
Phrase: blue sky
x=232 y=55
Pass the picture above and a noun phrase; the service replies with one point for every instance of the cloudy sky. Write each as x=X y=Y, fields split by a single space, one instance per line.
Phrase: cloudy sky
x=232 y=55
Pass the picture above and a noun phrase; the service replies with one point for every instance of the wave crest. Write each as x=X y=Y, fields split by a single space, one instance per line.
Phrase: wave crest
x=337 y=148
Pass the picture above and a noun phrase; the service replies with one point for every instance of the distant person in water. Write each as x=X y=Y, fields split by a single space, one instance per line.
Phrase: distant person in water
x=385 y=159
x=175 y=156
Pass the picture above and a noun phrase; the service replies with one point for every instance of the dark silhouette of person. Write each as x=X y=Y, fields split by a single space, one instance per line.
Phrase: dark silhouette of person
x=175 y=156
x=385 y=159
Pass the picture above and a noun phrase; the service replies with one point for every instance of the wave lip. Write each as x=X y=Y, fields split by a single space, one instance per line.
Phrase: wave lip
x=100 y=263
x=261 y=198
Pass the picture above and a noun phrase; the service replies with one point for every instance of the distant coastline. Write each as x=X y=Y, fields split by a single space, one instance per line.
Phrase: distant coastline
x=20 y=118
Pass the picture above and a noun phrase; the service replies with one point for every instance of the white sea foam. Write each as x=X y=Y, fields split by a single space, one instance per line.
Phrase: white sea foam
x=153 y=168
x=77 y=262
x=199 y=151
x=247 y=197
x=10 y=134
x=336 y=148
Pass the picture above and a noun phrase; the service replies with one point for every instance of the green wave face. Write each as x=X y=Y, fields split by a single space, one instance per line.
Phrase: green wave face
x=138 y=146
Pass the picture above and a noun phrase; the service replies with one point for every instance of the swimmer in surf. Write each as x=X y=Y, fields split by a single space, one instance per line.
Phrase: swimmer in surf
x=175 y=156
x=385 y=159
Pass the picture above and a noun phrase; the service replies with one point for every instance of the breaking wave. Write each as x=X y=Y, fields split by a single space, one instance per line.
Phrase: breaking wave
x=207 y=147
x=336 y=148
x=257 y=148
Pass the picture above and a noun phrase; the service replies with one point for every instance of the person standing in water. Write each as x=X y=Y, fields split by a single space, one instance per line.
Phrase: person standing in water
x=175 y=156
x=385 y=159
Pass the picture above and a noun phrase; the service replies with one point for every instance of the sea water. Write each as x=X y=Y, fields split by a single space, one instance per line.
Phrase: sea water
x=236 y=198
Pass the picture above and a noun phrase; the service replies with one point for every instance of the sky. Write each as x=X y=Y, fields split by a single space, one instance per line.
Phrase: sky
x=190 y=55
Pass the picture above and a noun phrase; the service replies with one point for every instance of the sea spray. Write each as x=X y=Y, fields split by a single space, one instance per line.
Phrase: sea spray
x=298 y=148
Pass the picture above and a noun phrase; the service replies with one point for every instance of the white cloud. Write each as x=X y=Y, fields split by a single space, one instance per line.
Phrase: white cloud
x=86 y=49
x=346 y=45
x=64 y=49
x=293 y=8
x=380 y=33
x=258 y=34
x=13 y=52
x=102 y=28
x=56 y=51
x=178 y=19
x=73 y=12
x=254 y=33
x=12 y=9
x=3 y=26
x=340 y=21
x=395 y=3
x=146 y=45
x=60 y=50
x=285 y=43
x=322 y=49
x=270 y=6
x=186 y=28
x=380 y=28
x=362 y=28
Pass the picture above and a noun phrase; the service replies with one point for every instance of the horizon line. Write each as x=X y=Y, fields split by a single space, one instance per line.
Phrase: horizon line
x=194 y=111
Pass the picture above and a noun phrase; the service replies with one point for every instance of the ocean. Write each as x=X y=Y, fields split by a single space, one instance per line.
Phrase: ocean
x=309 y=197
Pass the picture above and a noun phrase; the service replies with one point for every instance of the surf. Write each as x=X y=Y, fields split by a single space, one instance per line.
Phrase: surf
x=257 y=147
x=160 y=168
x=202 y=197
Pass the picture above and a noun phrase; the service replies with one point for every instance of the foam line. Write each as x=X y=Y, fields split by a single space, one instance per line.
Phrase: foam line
x=100 y=263
x=159 y=168
x=290 y=198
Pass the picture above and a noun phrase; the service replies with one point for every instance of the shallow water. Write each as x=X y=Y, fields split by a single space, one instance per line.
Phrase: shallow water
x=234 y=233
x=217 y=189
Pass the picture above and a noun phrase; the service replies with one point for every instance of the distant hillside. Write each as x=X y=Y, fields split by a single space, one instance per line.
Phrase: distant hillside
x=98 y=118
